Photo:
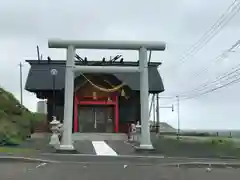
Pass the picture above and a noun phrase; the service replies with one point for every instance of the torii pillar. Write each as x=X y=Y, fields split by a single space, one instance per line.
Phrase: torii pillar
x=71 y=68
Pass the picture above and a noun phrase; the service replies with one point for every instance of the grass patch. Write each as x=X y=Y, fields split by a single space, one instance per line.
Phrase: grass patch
x=202 y=138
x=15 y=150
x=196 y=146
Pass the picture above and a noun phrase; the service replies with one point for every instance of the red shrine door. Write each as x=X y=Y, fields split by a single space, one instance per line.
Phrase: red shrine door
x=97 y=113
x=96 y=118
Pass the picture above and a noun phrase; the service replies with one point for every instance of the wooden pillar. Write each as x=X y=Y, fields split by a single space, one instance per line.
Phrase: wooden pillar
x=116 y=114
x=75 y=116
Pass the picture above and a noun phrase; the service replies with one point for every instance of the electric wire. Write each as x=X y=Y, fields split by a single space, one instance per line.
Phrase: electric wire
x=208 y=82
x=234 y=8
x=214 y=89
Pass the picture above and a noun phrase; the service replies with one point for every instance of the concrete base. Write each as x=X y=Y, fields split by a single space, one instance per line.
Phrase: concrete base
x=62 y=151
x=144 y=148
x=99 y=137
x=66 y=147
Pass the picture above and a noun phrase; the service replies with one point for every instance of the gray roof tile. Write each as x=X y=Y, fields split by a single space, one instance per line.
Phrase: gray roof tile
x=39 y=77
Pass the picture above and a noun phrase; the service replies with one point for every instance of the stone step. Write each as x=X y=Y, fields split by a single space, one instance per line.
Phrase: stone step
x=99 y=136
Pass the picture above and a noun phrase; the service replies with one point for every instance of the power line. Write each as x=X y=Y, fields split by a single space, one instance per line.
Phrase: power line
x=21 y=88
x=167 y=97
x=235 y=75
x=213 y=31
x=236 y=79
x=210 y=90
x=214 y=89
x=219 y=58
x=222 y=76
x=227 y=75
x=229 y=78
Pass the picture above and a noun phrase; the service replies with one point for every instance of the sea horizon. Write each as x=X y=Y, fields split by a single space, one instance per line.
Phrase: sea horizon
x=221 y=132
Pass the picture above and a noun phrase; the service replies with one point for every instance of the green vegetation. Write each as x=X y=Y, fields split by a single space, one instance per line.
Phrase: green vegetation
x=164 y=127
x=14 y=150
x=16 y=122
x=194 y=146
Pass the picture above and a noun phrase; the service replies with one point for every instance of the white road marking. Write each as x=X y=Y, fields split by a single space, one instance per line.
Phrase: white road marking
x=40 y=165
x=102 y=149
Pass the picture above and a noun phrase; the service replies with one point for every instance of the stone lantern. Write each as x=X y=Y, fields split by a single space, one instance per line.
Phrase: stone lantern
x=56 y=128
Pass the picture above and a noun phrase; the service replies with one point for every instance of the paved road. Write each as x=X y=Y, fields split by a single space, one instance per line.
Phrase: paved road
x=14 y=170
x=128 y=159
x=124 y=148
x=85 y=171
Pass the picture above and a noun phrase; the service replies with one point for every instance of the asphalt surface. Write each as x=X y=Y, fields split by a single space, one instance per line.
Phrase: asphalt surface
x=127 y=165
x=128 y=159
x=85 y=171
x=170 y=148
x=13 y=171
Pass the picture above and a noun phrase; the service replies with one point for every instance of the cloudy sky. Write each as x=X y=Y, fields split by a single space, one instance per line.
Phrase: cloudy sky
x=180 y=23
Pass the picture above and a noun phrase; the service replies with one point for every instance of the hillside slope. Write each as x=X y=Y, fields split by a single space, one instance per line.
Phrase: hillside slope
x=165 y=127
x=16 y=121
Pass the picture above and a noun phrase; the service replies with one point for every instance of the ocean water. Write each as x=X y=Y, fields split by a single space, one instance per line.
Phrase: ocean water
x=225 y=133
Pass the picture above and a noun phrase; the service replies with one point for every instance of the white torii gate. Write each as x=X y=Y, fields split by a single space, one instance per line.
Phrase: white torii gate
x=71 y=68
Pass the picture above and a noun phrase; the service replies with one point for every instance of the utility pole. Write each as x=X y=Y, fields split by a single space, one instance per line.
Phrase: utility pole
x=21 y=88
x=154 y=111
x=158 y=112
x=178 y=114
x=158 y=115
